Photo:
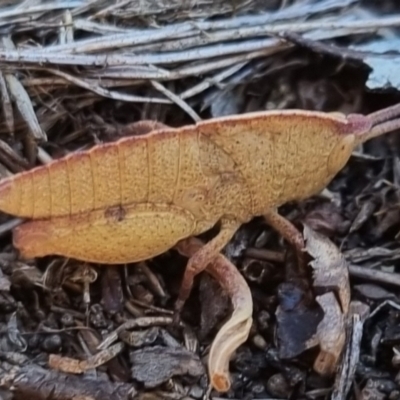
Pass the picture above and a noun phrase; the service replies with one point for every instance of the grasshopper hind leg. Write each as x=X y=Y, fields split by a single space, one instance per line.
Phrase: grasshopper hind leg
x=199 y=260
x=289 y=232
x=236 y=329
x=118 y=235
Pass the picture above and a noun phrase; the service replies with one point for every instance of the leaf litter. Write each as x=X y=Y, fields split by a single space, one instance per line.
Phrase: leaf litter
x=74 y=74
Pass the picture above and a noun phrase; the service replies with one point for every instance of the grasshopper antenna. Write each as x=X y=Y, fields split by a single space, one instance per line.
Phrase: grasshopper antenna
x=385 y=114
x=382 y=122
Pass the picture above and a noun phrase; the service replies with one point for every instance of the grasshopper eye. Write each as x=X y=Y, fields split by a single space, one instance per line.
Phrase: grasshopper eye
x=340 y=154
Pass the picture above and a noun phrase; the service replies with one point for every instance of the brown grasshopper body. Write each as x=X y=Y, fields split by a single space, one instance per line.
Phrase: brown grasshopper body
x=136 y=198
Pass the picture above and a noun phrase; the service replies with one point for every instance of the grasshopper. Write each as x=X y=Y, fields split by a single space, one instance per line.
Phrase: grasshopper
x=135 y=198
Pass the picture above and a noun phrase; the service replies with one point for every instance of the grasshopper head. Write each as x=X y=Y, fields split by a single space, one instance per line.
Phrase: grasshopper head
x=355 y=128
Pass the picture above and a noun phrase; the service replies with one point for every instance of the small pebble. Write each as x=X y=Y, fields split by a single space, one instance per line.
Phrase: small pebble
x=52 y=343
x=258 y=389
x=395 y=395
x=259 y=342
x=141 y=293
x=263 y=319
x=67 y=320
x=97 y=317
x=277 y=386
x=196 y=392
x=397 y=378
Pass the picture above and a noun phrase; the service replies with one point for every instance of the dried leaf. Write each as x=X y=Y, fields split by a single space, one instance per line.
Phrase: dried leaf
x=330 y=272
x=155 y=365
x=297 y=321
x=331 y=335
x=330 y=269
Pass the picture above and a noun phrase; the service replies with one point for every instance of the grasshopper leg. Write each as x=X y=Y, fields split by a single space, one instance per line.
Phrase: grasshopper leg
x=235 y=330
x=201 y=258
x=289 y=233
x=117 y=235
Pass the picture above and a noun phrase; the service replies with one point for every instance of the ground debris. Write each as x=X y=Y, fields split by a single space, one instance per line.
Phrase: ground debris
x=74 y=74
x=35 y=382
